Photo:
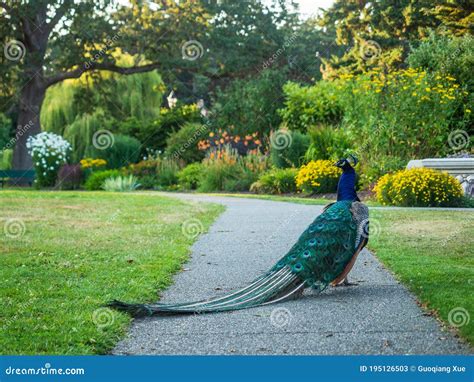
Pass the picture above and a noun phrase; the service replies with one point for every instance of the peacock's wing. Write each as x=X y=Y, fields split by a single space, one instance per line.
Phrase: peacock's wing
x=325 y=248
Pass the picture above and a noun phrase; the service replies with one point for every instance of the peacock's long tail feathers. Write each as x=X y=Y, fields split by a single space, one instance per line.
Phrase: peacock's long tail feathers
x=321 y=255
x=272 y=287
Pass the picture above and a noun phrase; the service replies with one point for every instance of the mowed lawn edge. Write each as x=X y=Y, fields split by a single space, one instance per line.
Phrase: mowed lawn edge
x=430 y=252
x=64 y=254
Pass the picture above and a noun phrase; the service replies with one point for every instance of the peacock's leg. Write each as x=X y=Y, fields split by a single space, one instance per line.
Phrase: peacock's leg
x=346 y=283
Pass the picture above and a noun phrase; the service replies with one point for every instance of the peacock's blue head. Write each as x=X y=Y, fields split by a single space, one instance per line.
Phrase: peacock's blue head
x=346 y=163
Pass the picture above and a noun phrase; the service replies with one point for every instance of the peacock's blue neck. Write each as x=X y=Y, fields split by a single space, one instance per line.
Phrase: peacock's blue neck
x=346 y=186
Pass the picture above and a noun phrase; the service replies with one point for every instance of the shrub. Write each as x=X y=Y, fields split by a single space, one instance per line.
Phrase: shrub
x=123 y=151
x=307 y=106
x=6 y=141
x=6 y=157
x=291 y=152
x=225 y=170
x=327 y=142
x=404 y=114
x=276 y=181
x=319 y=176
x=96 y=180
x=121 y=184
x=189 y=177
x=419 y=187
x=183 y=144
x=49 y=152
x=167 y=173
x=69 y=177
x=146 y=171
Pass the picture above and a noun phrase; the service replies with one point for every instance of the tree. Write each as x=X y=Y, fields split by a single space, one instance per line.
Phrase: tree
x=379 y=33
x=49 y=41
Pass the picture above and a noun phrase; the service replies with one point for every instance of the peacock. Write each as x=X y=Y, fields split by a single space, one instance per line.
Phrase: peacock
x=324 y=254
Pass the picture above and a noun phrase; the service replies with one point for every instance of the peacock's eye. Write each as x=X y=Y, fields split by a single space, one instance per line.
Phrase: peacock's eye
x=297 y=267
x=306 y=254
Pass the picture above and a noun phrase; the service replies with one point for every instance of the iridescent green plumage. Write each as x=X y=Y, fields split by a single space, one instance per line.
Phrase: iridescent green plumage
x=319 y=257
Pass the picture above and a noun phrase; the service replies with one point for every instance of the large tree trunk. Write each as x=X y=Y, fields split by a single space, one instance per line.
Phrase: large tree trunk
x=31 y=99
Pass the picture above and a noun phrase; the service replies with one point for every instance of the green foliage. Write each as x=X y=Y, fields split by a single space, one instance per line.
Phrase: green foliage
x=145 y=171
x=250 y=105
x=276 y=181
x=121 y=184
x=306 y=106
x=189 y=178
x=155 y=133
x=378 y=33
x=5 y=132
x=327 y=142
x=291 y=155
x=122 y=152
x=96 y=180
x=6 y=157
x=407 y=114
x=225 y=170
x=167 y=172
x=443 y=55
x=183 y=144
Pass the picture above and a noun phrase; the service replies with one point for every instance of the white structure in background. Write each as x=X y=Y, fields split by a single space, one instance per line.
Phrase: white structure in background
x=461 y=168
x=171 y=100
x=202 y=107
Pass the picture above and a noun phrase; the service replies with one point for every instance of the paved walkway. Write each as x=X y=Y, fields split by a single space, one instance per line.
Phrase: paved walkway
x=378 y=316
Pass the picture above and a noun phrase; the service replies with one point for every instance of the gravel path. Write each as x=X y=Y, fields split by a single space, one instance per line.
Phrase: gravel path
x=377 y=316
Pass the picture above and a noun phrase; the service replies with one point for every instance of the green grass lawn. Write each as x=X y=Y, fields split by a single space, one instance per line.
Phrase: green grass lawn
x=431 y=252
x=79 y=250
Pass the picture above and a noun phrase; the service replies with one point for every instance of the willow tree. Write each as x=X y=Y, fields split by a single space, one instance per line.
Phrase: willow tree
x=48 y=41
